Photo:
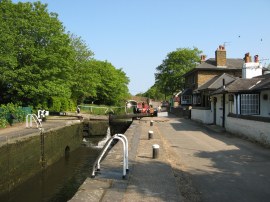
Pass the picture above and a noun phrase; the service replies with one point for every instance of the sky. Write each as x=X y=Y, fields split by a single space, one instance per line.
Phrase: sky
x=137 y=35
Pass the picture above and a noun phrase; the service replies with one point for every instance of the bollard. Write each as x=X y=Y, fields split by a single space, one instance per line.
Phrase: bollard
x=150 y=134
x=155 y=151
x=151 y=123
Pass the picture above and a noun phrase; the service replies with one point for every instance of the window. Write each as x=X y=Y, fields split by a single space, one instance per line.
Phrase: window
x=196 y=99
x=249 y=104
x=186 y=99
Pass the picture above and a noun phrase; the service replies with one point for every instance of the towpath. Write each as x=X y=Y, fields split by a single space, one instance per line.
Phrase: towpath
x=195 y=163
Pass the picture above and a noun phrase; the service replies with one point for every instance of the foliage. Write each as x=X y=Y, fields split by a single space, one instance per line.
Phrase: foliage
x=3 y=122
x=112 y=88
x=153 y=93
x=40 y=63
x=85 y=78
x=35 y=58
x=9 y=112
x=169 y=76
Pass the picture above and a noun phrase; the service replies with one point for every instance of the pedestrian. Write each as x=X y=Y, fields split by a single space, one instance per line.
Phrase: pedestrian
x=78 y=110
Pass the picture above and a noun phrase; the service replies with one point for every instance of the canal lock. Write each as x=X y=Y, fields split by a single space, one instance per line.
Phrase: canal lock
x=54 y=164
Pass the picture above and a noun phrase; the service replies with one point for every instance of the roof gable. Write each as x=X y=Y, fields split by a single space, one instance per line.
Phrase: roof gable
x=216 y=82
x=211 y=64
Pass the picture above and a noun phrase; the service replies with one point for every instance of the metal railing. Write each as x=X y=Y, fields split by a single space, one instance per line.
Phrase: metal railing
x=123 y=139
x=29 y=121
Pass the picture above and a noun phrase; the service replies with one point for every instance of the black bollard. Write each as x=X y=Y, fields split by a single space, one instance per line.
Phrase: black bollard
x=150 y=134
x=155 y=151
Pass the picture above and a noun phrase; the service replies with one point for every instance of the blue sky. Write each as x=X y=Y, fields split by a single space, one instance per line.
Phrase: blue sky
x=137 y=35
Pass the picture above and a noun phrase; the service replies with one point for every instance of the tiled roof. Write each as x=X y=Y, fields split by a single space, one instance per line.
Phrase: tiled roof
x=240 y=85
x=231 y=63
x=243 y=85
x=211 y=64
x=187 y=91
x=264 y=84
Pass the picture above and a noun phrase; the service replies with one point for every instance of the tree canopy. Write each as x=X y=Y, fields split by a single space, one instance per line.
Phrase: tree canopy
x=169 y=77
x=39 y=61
x=153 y=93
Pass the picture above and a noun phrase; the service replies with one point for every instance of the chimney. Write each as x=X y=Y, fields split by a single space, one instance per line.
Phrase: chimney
x=256 y=58
x=221 y=56
x=247 y=58
x=251 y=69
x=203 y=58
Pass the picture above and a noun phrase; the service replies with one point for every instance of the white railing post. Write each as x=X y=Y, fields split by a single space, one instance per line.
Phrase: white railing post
x=37 y=121
x=124 y=140
x=124 y=156
x=126 y=152
x=27 y=116
x=103 y=152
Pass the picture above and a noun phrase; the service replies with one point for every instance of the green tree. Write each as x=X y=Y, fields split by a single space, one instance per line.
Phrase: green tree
x=112 y=89
x=43 y=66
x=36 y=56
x=168 y=78
x=85 y=76
x=153 y=93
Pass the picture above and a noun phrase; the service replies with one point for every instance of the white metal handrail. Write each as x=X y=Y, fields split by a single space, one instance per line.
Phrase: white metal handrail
x=29 y=122
x=123 y=139
x=126 y=153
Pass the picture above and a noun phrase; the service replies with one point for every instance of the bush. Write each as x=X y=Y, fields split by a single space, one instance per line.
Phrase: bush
x=64 y=104
x=55 y=104
x=10 y=112
x=3 y=122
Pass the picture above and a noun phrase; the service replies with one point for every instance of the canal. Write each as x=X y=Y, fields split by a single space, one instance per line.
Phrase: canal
x=60 y=181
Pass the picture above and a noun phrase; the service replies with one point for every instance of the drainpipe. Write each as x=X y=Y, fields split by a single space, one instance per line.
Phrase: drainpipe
x=223 y=104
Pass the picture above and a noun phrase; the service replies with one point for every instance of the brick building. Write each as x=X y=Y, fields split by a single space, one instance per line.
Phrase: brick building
x=206 y=70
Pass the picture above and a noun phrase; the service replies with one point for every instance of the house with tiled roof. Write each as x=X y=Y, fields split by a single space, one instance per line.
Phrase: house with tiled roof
x=205 y=71
x=242 y=106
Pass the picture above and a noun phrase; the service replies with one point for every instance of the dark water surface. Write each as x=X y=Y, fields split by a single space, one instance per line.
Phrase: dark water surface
x=59 y=182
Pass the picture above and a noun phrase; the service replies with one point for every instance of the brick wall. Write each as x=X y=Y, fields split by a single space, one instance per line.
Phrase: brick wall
x=204 y=76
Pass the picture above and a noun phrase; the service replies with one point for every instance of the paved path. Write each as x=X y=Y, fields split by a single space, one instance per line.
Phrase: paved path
x=195 y=164
x=219 y=167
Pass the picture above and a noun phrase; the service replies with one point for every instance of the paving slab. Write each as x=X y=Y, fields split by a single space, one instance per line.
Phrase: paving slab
x=148 y=179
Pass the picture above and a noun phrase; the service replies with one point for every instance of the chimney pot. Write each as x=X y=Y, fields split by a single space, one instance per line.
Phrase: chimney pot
x=256 y=58
x=247 y=58
x=203 y=58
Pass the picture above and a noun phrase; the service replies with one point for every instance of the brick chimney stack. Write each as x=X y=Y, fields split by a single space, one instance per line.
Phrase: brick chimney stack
x=221 y=56
x=203 y=57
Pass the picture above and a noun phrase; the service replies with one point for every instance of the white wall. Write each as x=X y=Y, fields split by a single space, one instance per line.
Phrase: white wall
x=256 y=130
x=202 y=115
x=219 y=111
x=251 y=70
x=265 y=104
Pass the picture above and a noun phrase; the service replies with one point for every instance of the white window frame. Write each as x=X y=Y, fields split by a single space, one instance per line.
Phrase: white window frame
x=250 y=104
x=186 y=99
